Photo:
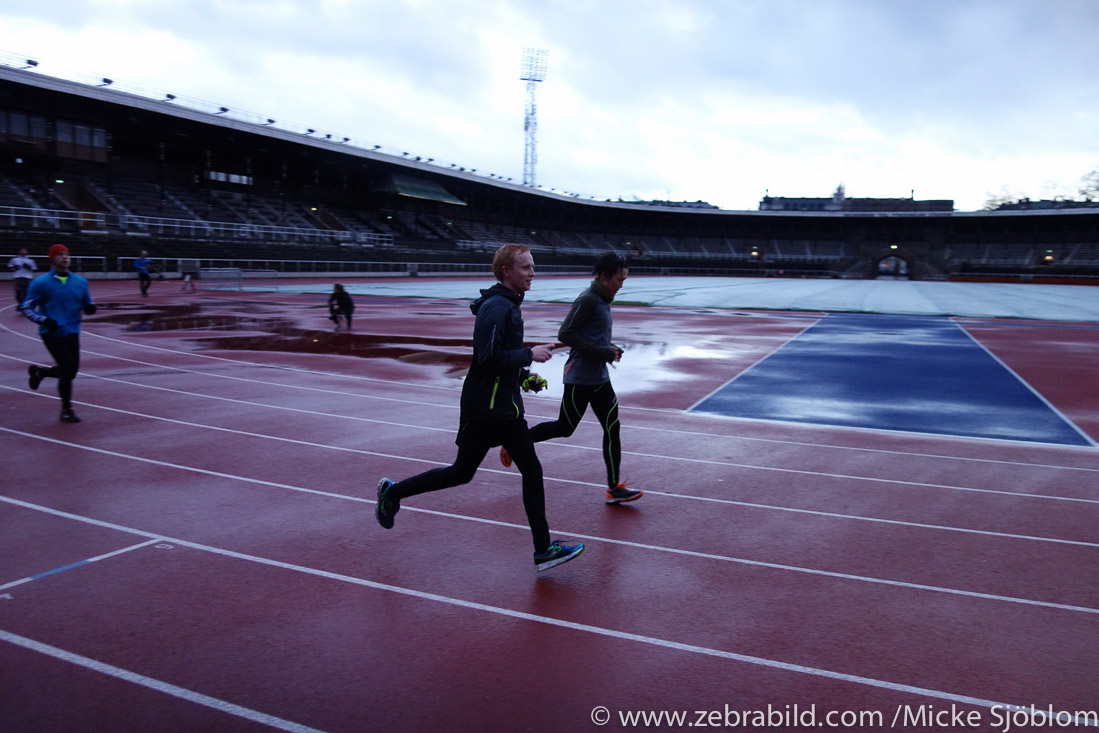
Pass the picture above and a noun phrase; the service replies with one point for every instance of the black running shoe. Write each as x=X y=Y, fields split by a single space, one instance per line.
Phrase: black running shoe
x=67 y=415
x=33 y=377
x=386 y=508
x=557 y=553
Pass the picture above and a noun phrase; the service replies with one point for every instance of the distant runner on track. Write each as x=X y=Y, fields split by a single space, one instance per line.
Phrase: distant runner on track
x=55 y=301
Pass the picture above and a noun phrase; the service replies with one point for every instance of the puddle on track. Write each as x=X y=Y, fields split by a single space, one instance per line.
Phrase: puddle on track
x=648 y=364
x=276 y=333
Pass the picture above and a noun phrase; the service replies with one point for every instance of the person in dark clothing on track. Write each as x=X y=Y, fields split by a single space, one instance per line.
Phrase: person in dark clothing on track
x=144 y=269
x=56 y=302
x=340 y=305
x=587 y=330
x=492 y=407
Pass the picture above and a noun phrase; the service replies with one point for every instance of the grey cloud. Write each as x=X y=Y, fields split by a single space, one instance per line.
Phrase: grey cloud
x=900 y=64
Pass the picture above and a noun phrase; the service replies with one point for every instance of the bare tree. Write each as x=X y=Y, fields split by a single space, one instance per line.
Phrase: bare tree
x=996 y=200
x=1089 y=186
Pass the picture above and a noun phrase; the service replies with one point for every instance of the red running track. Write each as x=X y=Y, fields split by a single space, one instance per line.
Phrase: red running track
x=222 y=480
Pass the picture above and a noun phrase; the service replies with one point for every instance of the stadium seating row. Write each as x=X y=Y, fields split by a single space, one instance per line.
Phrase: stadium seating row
x=197 y=221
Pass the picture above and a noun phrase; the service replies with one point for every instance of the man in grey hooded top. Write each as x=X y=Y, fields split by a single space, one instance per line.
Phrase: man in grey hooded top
x=587 y=331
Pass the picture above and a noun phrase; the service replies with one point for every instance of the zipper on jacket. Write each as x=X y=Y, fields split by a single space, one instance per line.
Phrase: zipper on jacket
x=492 y=400
x=519 y=378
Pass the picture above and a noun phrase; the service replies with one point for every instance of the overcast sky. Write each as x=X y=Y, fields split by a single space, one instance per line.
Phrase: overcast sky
x=718 y=100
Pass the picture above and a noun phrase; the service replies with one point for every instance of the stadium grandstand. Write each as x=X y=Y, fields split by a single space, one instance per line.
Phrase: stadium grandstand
x=112 y=172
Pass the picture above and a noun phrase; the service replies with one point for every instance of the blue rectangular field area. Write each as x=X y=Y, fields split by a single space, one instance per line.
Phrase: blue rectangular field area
x=913 y=373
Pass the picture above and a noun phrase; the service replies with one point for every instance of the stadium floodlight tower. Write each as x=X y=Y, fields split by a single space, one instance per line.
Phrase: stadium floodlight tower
x=533 y=71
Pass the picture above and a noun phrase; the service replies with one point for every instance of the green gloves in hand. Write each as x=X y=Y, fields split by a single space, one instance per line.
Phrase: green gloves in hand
x=534 y=383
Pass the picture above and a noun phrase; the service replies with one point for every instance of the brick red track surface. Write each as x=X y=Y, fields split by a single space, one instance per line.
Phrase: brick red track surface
x=224 y=490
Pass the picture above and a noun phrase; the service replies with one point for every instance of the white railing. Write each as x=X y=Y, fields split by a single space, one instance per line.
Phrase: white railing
x=148 y=225
x=78 y=263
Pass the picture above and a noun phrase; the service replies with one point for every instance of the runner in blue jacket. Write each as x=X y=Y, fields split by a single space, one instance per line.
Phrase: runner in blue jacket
x=56 y=301
x=492 y=407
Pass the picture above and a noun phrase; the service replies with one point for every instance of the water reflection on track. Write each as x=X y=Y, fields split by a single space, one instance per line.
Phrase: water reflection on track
x=267 y=330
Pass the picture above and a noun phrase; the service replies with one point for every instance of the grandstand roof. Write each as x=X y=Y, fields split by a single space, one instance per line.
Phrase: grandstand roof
x=128 y=105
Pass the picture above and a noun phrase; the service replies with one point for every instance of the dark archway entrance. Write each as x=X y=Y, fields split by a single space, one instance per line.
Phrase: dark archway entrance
x=892 y=267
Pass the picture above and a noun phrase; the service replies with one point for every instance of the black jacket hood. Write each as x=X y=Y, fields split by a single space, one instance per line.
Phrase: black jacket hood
x=497 y=289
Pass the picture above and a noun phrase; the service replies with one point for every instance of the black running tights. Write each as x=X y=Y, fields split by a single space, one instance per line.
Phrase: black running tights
x=475 y=438
x=65 y=350
x=604 y=403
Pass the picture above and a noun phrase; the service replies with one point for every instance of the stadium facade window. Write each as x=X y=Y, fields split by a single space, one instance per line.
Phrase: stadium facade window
x=63 y=133
x=37 y=126
x=99 y=145
x=229 y=178
x=19 y=127
x=82 y=137
x=26 y=130
x=83 y=142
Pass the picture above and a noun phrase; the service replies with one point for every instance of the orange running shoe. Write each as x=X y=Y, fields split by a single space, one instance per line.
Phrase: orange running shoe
x=504 y=457
x=620 y=494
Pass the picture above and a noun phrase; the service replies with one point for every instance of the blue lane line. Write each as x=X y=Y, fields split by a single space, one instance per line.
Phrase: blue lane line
x=28 y=579
x=912 y=373
x=80 y=563
x=61 y=569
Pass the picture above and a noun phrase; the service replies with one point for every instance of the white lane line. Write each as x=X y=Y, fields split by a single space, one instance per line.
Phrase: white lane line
x=848 y=430
x=570 y=625
x=670 y=413
x=77 y=564
x=885 y=451
x=154 y=684
x=252 y=403
x=203 y=471
x=556 y=445
x=895 y=431
x=727 y=502
x=360 y=395
x=1026 y=384
x=755 y=364
x=608 y=540
x=262 y=365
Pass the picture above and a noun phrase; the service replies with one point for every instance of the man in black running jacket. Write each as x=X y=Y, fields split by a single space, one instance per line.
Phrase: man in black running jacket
x=492 y=407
